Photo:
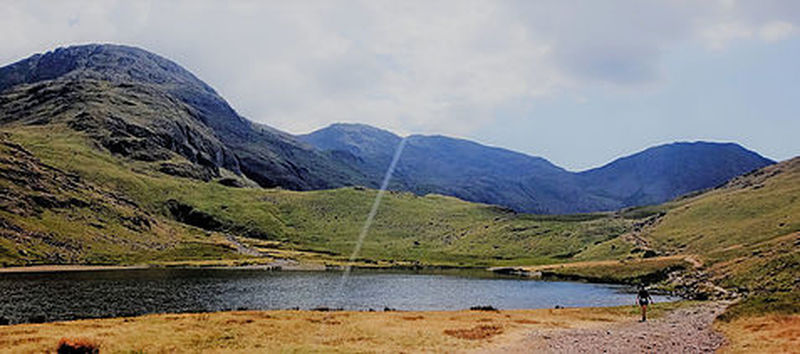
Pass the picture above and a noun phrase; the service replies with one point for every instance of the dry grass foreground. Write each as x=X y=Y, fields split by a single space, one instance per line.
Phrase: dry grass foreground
x=762 y=334
x=310 y=331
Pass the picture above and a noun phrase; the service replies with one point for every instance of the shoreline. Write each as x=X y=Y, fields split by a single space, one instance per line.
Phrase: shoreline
x=51 y=268
x=275 y=266
x=55 y=268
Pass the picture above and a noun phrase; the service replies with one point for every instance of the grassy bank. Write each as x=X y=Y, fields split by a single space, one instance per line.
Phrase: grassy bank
x=635 y=271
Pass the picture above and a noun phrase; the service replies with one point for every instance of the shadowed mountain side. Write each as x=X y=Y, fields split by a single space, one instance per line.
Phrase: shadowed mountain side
x=140 y=103
x=664 y=172
x=475 y=172
x=461 y=168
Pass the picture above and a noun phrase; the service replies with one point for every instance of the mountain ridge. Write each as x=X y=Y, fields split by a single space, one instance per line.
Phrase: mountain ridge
x=534 y=184
x=144 y=106
x=369 y=127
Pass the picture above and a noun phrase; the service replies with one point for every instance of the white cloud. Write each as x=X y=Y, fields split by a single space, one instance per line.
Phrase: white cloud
x=411 y=66
x=718 y=36
x=776 y=31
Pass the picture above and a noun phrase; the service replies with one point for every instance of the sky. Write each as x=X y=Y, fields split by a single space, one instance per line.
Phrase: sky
x=577 y=82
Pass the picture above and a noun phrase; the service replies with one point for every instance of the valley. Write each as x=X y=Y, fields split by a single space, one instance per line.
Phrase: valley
x=111 y=156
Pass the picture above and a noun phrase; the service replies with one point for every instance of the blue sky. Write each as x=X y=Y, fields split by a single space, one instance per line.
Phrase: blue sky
x=749 y=94
x=577 y=82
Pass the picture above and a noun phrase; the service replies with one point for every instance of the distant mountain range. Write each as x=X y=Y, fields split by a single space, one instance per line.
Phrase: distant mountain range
x=137 y=104
x=474 y=172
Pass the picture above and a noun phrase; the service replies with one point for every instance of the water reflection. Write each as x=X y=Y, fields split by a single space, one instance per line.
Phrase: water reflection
x=72 y=295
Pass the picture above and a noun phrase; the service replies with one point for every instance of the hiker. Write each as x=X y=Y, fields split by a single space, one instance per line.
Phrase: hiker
x=643 y=299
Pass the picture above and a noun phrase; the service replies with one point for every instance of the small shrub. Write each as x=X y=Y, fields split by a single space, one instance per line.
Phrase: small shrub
x=483 y=308
x=327 y=309
x=37 y=319
x=77 y=346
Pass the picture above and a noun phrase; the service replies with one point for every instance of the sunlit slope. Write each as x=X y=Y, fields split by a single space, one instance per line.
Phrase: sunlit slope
x=426 y=229
x=747 y=210
x=51 y=216
x=747 y=233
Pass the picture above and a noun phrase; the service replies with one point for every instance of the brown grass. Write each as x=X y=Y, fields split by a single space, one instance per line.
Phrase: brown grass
x=413 y=318
x=475 y=333
x=307 y=331
x=523 y=321
x=328 y=320
x=763 y=334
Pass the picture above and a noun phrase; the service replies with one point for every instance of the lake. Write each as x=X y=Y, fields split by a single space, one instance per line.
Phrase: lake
x=113 y=293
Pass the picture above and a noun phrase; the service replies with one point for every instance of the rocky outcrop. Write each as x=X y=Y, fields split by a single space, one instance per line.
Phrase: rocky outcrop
x=187 y=214
x=32 y=190
x=140 y=105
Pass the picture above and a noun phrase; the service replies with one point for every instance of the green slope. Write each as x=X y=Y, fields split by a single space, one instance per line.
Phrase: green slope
x=68 y=200
x=51 y=216
x=747 y=233
x=429 y=229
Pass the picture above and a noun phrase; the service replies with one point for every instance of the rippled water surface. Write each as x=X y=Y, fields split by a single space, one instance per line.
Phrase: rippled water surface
x=71 y=295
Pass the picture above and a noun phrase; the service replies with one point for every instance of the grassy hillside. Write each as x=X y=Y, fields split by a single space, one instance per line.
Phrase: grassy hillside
x=429 y=229
x=67 y=200
x=747 y=234
x=48 y=215
x=743 y=236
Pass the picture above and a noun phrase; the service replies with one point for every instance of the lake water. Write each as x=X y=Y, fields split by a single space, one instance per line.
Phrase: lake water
x=113 y=293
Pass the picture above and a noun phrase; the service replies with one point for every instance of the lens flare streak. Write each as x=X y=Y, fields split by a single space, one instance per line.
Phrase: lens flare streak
x=374 y=210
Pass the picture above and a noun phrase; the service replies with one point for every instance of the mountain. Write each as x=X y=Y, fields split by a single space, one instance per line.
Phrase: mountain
x=461 y=168
x=141 y=105
x=112 y=155
x=474 y=172
x=144 y=107
x=664 y=172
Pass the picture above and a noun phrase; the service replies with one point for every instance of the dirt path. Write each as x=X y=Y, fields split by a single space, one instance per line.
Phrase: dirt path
x=686 y=330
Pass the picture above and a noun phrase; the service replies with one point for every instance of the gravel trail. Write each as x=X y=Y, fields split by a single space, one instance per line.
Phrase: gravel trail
x=686 y=330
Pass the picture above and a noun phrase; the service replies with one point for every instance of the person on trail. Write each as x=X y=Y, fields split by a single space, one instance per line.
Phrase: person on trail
x=643 y=299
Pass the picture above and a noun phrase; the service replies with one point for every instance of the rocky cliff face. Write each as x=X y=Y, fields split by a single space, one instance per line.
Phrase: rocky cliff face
x=141 y=105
